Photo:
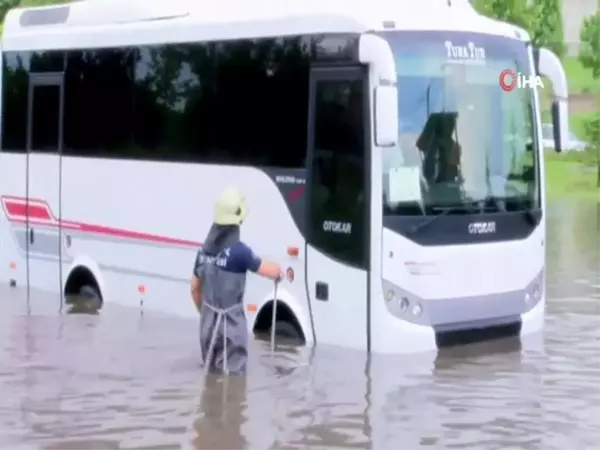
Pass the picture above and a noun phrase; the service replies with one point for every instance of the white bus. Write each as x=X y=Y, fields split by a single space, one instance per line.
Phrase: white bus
x=383 y=166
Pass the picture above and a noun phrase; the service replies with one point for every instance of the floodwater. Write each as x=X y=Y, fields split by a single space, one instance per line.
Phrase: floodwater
x=125 y=380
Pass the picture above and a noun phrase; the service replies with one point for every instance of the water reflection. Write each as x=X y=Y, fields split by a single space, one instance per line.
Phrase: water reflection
x=122 y=380
x=222 y=413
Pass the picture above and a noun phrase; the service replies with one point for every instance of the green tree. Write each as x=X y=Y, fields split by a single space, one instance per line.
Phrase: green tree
x=513 y=11
x=5 y=5
x=29 y=3
x=542 y=19
x=589 y=56
x=547 y=25
x=589 y=35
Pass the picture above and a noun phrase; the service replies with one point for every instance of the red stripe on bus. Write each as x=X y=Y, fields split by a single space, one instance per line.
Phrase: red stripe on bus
x=27 y=211
x=67 y=226
x=129 y=234
x=17 y=211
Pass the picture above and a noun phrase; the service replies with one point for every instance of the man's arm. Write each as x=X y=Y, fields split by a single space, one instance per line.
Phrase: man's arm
x=196 y=292
x=252 y=263
x=196 y=282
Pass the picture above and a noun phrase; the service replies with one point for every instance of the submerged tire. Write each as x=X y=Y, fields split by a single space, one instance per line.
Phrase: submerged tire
x=287 y=331
x=87 y=300
x=91 y=297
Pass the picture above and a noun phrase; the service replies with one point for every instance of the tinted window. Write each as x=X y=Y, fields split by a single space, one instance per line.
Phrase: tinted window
x=45 y=118
x=338 y=170
x=241 y=102
x=172 y=93
x=16 y=68
x=42 y=62
x=237 y=102
x=99 y=103
x=14 y=102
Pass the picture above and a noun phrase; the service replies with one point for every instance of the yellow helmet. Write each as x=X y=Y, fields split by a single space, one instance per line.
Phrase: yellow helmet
x=231 y=208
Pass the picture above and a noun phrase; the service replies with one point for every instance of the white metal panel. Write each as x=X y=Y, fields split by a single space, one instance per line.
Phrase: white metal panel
x=126 y=216
x=342 y=319
x=93 y=24
x=13 y=258
x=43 y=195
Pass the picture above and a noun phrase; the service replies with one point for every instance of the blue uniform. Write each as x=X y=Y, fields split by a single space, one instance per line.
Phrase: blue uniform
x=223 y=328
x=238 y=258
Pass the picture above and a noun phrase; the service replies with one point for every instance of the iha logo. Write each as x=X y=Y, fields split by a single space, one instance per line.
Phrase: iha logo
x=509 y=80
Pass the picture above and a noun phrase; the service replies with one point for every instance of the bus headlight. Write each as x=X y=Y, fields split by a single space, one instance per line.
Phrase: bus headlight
x=389 y=295
x=533 y=293
x=404 y=303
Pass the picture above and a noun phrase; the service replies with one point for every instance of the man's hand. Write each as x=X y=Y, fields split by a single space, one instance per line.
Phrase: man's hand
x=270 y=269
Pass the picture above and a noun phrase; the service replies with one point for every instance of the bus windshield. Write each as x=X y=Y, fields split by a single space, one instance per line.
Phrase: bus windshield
x=465 y=141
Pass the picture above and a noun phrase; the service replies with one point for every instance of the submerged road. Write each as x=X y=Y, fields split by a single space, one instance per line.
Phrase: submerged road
x=120 y=380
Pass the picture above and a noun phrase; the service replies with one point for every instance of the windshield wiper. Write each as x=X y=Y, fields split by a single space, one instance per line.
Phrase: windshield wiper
x=532 y=216
x=445 y=211
x=469 y=208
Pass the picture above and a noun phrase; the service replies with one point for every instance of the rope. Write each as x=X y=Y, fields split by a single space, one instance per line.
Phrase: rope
x=221 y=313
x=221 y=317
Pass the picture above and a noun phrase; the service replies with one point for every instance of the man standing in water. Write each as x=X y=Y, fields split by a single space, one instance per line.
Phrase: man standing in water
x=218 y=284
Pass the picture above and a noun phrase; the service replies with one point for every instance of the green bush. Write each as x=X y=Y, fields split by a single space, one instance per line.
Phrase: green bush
x=589 y=55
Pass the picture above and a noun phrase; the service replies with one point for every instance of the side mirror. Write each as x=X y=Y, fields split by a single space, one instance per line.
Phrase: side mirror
x=386 y=116
x=556 y=127
x=549 y=65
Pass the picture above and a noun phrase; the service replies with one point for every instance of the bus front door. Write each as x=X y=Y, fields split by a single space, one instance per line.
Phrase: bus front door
x=44 y=146
x=337 y=248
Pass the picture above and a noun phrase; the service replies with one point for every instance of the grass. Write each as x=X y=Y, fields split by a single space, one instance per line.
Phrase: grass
x=572 y=176
x=585 y=92
x=580 y=78
x=577 y=122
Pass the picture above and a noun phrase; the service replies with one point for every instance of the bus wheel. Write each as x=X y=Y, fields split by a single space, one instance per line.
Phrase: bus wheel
x=87 y=301
x=288 y=332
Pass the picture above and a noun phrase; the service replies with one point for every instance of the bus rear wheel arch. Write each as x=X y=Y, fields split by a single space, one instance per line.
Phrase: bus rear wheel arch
x=287 y=326
x=82 y=291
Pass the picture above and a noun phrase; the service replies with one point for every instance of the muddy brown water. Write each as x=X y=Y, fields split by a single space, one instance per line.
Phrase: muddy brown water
x=120 y=380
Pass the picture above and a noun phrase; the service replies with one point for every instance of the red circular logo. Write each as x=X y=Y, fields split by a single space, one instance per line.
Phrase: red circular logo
x=508 y=80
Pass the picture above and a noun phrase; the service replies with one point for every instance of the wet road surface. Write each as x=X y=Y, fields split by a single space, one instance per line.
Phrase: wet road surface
x=124 y=380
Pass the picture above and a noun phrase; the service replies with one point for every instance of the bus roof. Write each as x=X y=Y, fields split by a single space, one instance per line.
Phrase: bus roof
x=113 y=23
